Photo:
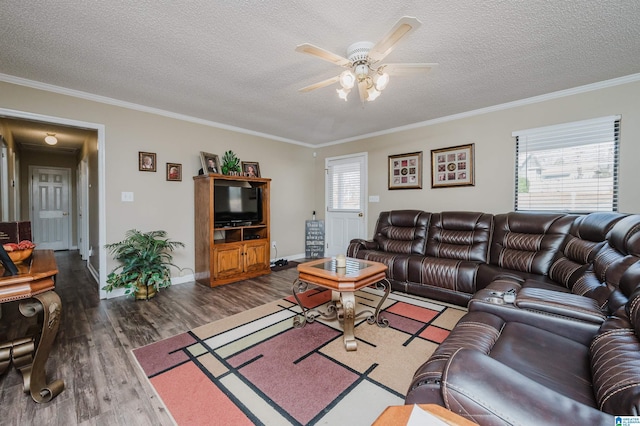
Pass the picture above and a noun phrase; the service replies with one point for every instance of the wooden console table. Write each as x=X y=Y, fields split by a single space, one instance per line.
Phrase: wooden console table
x=33 y=287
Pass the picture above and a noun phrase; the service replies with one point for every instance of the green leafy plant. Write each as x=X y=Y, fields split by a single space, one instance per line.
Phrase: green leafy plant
x=230 y=163
x=144 y=259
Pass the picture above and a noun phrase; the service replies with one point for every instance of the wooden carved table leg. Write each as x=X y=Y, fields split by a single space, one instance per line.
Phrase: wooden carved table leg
x=347 y=315
x=48 y=304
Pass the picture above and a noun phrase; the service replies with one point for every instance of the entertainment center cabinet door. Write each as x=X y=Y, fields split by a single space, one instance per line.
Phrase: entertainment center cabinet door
x=227 y=261
x=256 y=256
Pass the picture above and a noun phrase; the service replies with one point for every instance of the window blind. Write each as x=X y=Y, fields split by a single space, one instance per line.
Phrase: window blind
x=344 y=185
x=570 y=167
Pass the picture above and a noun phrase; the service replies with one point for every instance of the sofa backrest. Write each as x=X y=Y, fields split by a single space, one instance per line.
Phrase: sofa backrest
x=460 y=235
x=588 y=234
x=603 y=279
x=402 y=231
x=528 y=242
x=615 y=360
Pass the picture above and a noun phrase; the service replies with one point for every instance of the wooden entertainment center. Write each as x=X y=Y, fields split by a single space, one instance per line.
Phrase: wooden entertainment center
x=230 y=253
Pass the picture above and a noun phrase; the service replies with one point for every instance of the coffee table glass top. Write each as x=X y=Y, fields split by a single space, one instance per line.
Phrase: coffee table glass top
x=353 y=266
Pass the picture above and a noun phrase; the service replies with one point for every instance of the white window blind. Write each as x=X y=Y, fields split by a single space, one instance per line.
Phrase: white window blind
x=344 y=185
x=571 y=167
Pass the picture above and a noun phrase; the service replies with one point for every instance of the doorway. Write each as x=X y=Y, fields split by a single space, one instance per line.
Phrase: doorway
x=50 y=207
x=93 y=191
x=346 y=207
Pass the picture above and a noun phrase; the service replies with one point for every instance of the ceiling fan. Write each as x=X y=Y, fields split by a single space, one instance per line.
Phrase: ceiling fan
x=362 y=63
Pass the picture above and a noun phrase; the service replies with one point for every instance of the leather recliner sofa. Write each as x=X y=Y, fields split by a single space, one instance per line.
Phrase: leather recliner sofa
x=550 y=353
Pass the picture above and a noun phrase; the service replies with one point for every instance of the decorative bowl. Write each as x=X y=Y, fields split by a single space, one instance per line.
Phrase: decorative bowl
x=17 y=256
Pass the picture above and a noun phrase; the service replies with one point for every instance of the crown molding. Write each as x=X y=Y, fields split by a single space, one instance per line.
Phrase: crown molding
x=130 y=105
x=527 y=101
x=115 y=102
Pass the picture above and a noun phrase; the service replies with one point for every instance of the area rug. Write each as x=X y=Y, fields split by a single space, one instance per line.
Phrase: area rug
x=256 y=368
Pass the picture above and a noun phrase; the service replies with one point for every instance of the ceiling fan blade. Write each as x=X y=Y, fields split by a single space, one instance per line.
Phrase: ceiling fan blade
x=401 y=69
x=320 y=84
x=321 y=53
x=405 y=26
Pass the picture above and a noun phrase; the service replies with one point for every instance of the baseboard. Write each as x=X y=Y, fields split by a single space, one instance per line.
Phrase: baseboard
x=292 y=257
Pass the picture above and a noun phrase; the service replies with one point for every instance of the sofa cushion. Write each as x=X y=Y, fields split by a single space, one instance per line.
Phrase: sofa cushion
x=460 y=235
x=402 y=231
x=528 y=242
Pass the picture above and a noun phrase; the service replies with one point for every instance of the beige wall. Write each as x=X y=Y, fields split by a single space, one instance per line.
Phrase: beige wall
x=298 y=178
x=160 y=204
x=495 y=153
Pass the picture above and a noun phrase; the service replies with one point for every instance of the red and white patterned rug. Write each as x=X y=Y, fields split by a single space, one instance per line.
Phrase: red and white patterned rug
x=256 y=368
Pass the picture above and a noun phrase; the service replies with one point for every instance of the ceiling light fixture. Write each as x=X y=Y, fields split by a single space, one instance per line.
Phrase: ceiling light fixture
x=51 y=139
x=370 y=80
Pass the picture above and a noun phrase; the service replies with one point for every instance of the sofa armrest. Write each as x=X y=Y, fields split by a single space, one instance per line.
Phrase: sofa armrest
x=492 y=301
x=358 y=244
x=564 y=304
x=486 y=391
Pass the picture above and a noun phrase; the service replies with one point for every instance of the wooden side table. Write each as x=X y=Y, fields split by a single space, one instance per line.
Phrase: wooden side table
x=33 y=287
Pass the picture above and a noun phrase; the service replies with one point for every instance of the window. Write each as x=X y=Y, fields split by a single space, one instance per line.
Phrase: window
x=344 y=184
x=570 y=167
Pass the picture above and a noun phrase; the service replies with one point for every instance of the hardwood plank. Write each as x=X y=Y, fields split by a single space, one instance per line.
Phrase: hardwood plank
x=92 y=351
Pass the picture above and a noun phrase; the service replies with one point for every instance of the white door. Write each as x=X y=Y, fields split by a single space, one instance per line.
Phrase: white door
x=345 y=189
x=50 y=207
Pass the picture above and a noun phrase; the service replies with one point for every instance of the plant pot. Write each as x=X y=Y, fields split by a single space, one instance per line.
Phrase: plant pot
x=145 y=292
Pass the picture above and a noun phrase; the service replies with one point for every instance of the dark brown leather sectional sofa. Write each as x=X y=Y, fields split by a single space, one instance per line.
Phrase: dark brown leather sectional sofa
x=552 y=335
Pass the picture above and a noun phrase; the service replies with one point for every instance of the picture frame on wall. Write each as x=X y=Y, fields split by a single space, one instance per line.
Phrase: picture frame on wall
x=250 y=169
x=210 y=163
x=453 y=166
x=146 y=161
x=174 y=172
x=405 y=171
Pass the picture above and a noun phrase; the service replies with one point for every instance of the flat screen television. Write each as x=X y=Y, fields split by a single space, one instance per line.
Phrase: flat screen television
x=237 y=206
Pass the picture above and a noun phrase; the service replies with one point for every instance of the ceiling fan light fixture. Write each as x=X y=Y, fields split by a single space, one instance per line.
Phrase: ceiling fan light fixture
x=362 y=71
x=342 y=93
x=51 y=139
x=381 y=80
x=347 y=79
x=372 y=94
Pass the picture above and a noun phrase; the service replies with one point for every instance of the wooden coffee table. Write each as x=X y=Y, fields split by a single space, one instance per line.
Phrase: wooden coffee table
x=343 y=282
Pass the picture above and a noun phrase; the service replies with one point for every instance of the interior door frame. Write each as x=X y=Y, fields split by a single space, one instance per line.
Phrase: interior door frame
x=364 y=186
x=101 y=275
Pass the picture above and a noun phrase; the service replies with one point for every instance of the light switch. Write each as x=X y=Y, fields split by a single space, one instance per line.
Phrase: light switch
x=374 y=198
x=127 y=197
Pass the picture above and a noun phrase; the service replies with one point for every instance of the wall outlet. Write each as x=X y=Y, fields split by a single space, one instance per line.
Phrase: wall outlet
x=273 y=244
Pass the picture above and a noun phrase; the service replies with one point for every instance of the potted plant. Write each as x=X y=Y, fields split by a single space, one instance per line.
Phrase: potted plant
x=144 y=259
x=230 y=163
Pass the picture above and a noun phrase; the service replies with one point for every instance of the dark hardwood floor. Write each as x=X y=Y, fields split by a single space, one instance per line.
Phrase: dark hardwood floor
x=92 y=352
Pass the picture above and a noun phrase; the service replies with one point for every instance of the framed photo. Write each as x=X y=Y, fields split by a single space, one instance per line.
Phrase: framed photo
x=250 y=169
x=452 y=166
x=210 y=163
x=405 y=171
x=146 y=161
x=174 y=172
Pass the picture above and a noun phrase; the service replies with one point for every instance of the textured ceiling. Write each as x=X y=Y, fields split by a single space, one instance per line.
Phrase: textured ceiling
x=233 y=62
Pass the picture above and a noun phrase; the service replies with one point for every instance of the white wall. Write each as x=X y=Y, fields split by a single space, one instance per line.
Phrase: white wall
x=495 y=153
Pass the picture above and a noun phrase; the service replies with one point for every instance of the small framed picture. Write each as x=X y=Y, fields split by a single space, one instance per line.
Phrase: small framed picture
x=146 y=161
x=405 y=171
x=452 y=166
x=250 y=169
x=210 y=163
x=174 y=172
